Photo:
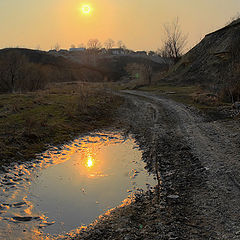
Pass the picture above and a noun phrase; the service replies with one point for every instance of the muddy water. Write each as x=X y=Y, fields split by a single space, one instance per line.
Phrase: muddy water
x=70 y=186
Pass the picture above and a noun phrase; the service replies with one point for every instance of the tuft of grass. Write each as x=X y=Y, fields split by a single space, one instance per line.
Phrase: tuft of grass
x=30 y=122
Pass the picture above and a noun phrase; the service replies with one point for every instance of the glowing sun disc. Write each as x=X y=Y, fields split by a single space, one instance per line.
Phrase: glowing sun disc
x=86 y=9
x=90 y=162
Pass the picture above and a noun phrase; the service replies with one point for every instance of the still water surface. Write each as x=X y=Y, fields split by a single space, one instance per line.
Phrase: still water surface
x=68 y=187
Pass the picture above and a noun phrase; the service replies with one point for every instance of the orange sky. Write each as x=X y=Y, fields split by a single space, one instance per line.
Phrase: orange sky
x=138 y=23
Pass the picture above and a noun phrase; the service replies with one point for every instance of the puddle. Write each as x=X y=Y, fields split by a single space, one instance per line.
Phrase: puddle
x=69 y=187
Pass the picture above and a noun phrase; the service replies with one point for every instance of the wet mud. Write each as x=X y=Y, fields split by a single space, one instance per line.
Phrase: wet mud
x=198 y=163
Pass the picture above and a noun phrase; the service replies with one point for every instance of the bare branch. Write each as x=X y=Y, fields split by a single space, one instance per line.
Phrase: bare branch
x=174 y=41
x=94 y=44
x=109 y=43
x=120 y=44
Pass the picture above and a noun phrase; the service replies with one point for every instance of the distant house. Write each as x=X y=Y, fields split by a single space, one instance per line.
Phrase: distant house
x=63 y=51
x=128 y=51
x=77 y=49
x=152 y=54
x=141 y=53
x=52 y=51
x=116 y=51
x=103 y=51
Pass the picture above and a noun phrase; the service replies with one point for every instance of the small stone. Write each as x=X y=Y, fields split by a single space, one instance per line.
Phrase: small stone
x=127 y=237
x=237 y=233
x=173 y=196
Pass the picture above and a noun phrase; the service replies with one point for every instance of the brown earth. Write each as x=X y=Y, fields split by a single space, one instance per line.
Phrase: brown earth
x=199 y=165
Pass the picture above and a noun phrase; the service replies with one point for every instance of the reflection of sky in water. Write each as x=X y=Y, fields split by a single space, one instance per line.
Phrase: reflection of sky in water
x=77 y=184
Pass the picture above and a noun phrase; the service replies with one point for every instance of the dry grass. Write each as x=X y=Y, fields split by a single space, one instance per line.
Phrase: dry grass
x=28 y=122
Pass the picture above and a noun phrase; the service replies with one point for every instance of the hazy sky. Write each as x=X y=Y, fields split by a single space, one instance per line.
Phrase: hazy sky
x=138 y=23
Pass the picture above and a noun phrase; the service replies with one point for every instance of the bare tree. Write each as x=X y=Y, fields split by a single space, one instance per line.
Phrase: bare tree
x=14 y=68
x=81 y=45
x=94 y=44
x=5 y=84
x=109 y=43
x=34 y=77
x=174 y=41
x=17 y=74
x=120 y=44
x=73 y=46
x=57 y=47
x=148 y=71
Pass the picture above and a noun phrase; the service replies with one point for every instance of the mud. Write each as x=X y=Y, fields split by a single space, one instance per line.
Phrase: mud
x=70 y=185
x=198 y=162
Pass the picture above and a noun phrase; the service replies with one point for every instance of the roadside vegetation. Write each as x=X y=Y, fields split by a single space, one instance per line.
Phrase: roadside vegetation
x=213 y=105
x=207 y=77
x=196 y=96
x=30 y=122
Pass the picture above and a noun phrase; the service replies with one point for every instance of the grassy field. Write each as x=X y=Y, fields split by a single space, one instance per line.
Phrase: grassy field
x=30 y=122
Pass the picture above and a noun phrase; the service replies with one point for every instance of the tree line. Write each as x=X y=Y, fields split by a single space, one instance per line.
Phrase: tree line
x=18 y=74
x=96 y=44
x=174 y=42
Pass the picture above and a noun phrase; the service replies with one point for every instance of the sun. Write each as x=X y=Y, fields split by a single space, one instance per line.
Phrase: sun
x=86 y=9
x=89 y=162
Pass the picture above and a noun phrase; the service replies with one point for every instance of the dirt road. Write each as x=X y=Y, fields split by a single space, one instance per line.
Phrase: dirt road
x=199 y=163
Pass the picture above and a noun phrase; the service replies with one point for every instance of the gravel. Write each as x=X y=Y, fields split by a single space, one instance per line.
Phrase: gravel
x=198 y=164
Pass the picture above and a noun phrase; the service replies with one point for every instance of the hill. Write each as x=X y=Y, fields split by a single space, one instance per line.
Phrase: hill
x=28 y=70
x=213 y=63
x=35 y=56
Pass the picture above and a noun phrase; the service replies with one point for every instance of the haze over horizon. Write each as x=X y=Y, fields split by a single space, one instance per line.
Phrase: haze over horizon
x=42 y=24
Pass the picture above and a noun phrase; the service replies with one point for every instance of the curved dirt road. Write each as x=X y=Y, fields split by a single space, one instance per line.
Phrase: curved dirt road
x=199 y=164
x=212 y=210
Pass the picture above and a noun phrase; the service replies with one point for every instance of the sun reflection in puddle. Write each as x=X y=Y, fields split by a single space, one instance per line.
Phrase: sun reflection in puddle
x=74 y=184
